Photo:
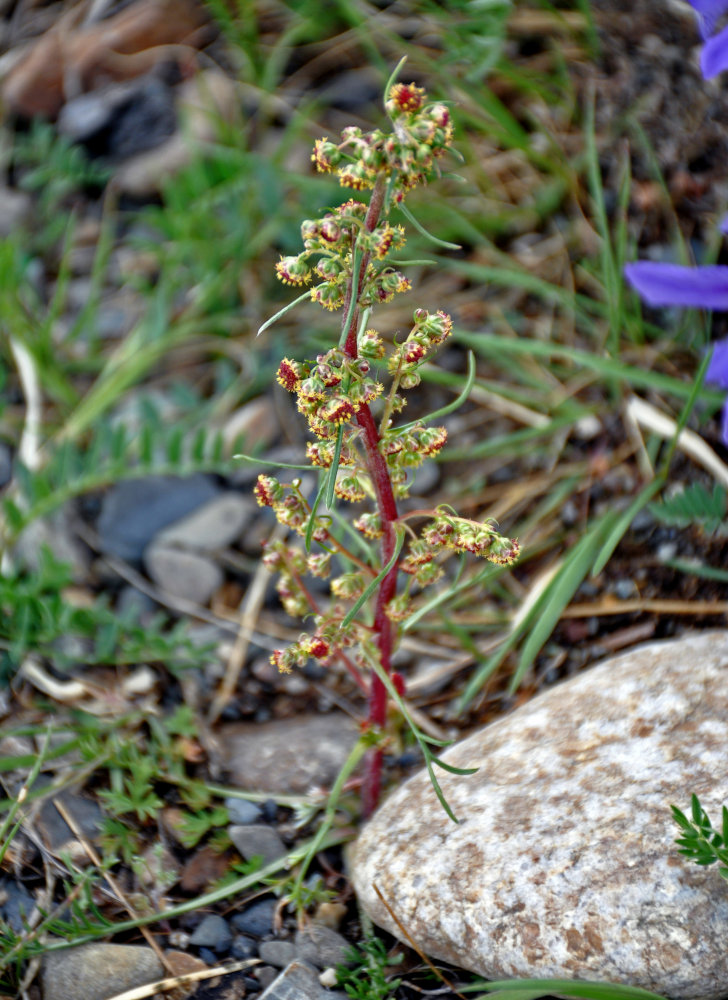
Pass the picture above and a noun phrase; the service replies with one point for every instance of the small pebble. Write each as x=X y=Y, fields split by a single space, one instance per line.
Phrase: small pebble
x=242 y=812
x=321 y=946
x=277 y=953
x=667 y=551
x=257 y=840
x=213 y=932
x=256 y=919
x=624 y=589
x=243 y=948
x=266 y=975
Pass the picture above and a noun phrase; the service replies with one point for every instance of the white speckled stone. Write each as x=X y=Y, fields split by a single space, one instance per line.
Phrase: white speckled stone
x=563 y=863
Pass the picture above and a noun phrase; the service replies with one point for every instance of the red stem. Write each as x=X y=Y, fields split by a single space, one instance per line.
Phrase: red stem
x=387 y=507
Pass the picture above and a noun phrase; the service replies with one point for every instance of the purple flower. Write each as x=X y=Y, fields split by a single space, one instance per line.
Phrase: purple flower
x=703 y=287
x=717 y=373
x=674 y=285
x=714 y=57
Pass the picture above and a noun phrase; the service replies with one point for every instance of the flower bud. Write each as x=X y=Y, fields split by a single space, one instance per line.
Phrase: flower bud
x=329 y=230
x=371 y=345
x=410 y=380
x=289 y=375
x=267 y=491
x=325 y=155
x=309 y=229
x=293 y=271
x=348 y=587
x=338 y=410
x=404 y=98
x=370 y=524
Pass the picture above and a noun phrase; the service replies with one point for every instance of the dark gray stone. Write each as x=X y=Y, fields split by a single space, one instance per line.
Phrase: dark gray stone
x=321 y=946
x=288 y=756
x=242 y=812
x=298 y=981
x=189 y=575
x=122 y=119
x=16 y=904
x=257 y=840
x=133 y=511
x=243 y=947
x=277 y=953
x=97 y=971
x=256 y=919
x=213 y=932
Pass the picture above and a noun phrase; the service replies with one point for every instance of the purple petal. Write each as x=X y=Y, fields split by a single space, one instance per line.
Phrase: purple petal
x=717 y=372
x=714 y=57
x=709 y=12
x=724 y=424
x=724 y=225
x=674 y=285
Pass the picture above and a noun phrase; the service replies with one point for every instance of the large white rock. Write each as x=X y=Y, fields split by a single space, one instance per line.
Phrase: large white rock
x=563 y=863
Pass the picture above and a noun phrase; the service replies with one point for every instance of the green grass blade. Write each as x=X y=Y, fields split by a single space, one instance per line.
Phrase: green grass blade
x=559 y=593
x=579 y=989
x=349 y=618
x=623 y=522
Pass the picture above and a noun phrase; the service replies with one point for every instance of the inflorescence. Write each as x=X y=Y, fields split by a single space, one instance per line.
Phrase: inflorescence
x=333 y=389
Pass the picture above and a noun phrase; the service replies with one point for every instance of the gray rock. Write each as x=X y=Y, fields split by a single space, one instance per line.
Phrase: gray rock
x=242 y=812
x=243 y=947
x=189 y=575
x=298 y=981
x=277 y=953
x=214 y=525
x=287 y=756
x=16 y=904
x=97 y=971
x=122 y=119
x=255 y=424
x=321 y=946
x=212 y=932
x=563 y=863
x=56 y=833
x=256 y=919
x=133 y=511
x=257 y=840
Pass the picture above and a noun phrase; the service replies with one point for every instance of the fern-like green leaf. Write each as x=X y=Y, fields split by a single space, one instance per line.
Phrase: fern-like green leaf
x=694 y=505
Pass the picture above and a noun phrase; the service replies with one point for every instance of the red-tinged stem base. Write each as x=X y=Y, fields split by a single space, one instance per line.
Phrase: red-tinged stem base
x=387 y=507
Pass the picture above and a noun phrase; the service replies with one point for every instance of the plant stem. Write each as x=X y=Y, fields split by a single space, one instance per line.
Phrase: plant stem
x=387 y=506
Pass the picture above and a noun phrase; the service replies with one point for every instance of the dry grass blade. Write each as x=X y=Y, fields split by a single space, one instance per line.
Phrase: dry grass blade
x=645 y=415
x=250 y=611
x=174 y=982
x=89 y=849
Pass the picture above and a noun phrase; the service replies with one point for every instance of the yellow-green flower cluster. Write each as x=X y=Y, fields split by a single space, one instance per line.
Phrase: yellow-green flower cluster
x=327 y=255
x=422 y=133
x=459 y=534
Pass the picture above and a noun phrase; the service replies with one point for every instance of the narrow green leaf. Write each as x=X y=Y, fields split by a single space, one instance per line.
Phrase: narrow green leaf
x=312 y=519
x=269 y=463
x=423 y=232
x=456 y=403
x=579 y=989
x=559 y=592
x=623 y=522
x=333 y=471
x=349 y=618
x=283 y=311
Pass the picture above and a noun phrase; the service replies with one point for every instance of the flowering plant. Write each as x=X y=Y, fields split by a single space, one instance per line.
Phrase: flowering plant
x=359 y=450
x=706 y=287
